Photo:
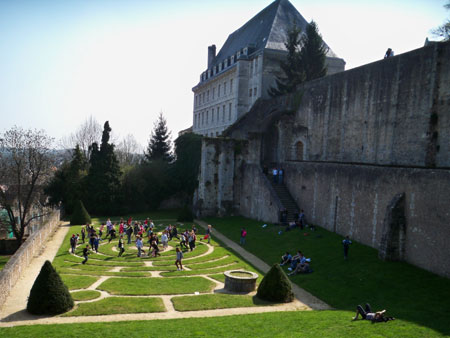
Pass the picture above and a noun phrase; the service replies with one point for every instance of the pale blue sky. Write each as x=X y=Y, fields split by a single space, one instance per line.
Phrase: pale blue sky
x=125 y=61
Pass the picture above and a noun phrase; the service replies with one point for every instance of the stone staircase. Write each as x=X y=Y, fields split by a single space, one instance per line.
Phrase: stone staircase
x=286 y=199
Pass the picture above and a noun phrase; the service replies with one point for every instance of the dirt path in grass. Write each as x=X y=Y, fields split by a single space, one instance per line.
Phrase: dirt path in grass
x=16 y=302
x=13 y=312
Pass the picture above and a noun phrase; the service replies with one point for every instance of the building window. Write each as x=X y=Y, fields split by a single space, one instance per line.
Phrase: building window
x=231 y=86
x=214 y=92
x=218 y=91
x=218 y=108
x=250 y=92
x=224 y=88
x=203 y=118
x=207 y=96
x=229 y=112
x=207 y=116
x=223 y=113
x=212 y=116
x=254 y=91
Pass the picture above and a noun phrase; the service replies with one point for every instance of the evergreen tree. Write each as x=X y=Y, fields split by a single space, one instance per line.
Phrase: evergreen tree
x=103 y=180
x=291 y=67
x=313 y=53
x=302 y=64
x=159 y=144
x=275 y=286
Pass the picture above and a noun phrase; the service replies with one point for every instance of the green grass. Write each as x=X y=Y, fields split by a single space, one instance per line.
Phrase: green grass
x=3 y=261
x=75 y=282
x=407 y=292
x=308 y=324
x=215 y=301
x=156 y=286
x=85 y=295
x=235 y=266
x=118 y=305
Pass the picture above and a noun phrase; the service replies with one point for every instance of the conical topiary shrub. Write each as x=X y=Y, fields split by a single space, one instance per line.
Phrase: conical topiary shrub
x=275 y=286
x=80 y=215
x=49 y=295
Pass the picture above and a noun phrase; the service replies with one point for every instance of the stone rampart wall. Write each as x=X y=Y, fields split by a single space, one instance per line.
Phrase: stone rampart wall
x=352 y=200
x=23 y=256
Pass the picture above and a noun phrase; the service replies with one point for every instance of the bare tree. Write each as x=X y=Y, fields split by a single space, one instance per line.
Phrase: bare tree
x=26 y=164
x=88 y=132
x=443 y=30
x=128 y=151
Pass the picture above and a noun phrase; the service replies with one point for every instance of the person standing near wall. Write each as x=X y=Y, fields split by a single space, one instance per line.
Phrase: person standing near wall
x=243 y=236
x=346 y=243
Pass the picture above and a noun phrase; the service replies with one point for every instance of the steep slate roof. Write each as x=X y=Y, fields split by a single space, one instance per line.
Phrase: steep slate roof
x=267 y=29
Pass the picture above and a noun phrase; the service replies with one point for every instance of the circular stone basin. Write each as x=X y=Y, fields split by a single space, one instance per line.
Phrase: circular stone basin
x=240 y=281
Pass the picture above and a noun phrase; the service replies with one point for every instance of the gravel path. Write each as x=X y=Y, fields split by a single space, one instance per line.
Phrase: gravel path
x=13 y=312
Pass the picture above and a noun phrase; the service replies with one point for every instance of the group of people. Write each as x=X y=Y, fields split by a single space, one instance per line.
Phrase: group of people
x=298 y=263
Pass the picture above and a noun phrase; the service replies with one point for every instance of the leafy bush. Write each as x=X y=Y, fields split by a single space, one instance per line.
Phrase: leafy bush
x=185 y=215
x=275 y=286
x=80 y=215
x=49 y=295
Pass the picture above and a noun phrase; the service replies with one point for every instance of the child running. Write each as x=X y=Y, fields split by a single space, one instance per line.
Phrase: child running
x=178 y=261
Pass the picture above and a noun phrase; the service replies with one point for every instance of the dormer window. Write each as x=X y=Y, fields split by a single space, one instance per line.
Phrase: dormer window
x=232 y=59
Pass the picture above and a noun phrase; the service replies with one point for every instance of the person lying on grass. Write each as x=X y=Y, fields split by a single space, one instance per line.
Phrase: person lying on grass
x=367 y=314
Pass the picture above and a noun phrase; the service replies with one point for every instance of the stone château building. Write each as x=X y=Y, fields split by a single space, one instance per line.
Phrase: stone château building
x=246 y=67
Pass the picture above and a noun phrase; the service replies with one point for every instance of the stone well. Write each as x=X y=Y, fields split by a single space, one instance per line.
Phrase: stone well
x=240 y=281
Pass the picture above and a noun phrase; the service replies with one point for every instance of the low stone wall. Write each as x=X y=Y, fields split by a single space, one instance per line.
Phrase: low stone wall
x=23 y=256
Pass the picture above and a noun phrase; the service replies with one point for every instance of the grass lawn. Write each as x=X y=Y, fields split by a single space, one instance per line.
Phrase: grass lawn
x=85 y=295
x=308 y=324
x=75 y=282
x=3 y=261
x=215 y=301
x=116 y=305
x=407 y=292
x=156 y=286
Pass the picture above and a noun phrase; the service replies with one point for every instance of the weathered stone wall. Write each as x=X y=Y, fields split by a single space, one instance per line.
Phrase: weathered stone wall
x=395 y=111
x=352 y=200
x=22 y=258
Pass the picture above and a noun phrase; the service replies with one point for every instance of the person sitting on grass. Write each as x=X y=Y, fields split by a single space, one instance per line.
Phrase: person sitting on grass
x=297 y=259
x=286 y=258
x=367 y=314
x=179 y=258
x=302 y=267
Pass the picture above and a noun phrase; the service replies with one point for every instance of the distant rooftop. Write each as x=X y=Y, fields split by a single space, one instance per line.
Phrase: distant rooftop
x=267 y=29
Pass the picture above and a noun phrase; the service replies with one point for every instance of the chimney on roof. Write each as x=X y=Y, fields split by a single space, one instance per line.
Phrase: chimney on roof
x=211 y=55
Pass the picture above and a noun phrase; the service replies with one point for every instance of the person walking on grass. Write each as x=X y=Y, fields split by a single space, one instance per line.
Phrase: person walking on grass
x=180 y=256
x=243 y=236
x=73 y=243
x=346 y=243
x=83 y=233
x=121 y=246
x=139 y=245
x=96 y=243
x=85 y=254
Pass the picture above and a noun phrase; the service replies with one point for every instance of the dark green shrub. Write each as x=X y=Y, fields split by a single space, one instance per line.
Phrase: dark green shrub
x=185 y=215
x=49 y=295
x=80 y=215
x=275 y=286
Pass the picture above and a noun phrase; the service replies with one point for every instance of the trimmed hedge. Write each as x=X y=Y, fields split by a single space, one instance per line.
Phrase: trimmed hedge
x=49 y=295
x=80 y=216
x=275 y=286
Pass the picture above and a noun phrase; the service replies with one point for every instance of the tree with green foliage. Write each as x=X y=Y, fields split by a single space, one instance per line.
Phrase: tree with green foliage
x=103 y=179
x=313 y=53
x=185 y=169
x=443 y=30
x=305 y=60
x=291 y=67
x=275 y=286
x=49 y=295
x=67 y=185
x=159 y=145
x=80 y=215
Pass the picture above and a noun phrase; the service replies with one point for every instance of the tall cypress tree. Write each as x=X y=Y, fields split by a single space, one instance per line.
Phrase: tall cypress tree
x=159 y=144
x=103 y=179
